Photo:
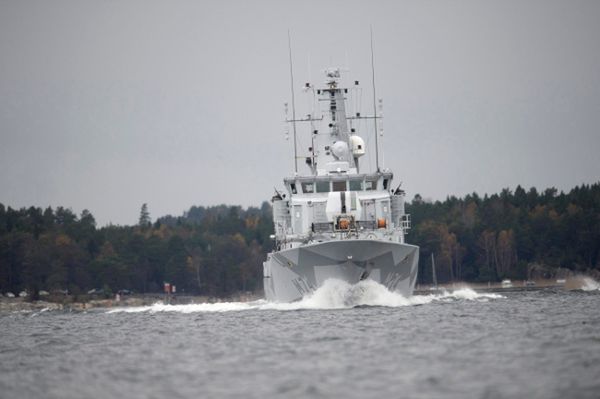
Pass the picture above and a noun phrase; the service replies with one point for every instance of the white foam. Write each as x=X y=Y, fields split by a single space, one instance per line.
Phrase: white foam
x=336 y=294
x=333 y=294
x=191 y=308
x=468 y=293
x=589 y=284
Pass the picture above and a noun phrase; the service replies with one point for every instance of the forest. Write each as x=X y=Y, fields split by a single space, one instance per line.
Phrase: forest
x=218 y=251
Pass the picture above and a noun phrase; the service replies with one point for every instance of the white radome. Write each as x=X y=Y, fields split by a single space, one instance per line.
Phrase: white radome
x=339 y=149
x=358 y=145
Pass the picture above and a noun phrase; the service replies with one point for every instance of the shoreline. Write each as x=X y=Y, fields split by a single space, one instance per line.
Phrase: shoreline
x=75 y=303
x=579 y=282
x=69 y=303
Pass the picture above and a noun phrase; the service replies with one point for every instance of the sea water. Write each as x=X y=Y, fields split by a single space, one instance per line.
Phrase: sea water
x=351 y=341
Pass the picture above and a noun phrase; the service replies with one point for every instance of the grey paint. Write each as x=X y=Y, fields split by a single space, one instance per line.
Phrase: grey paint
x=293 y=273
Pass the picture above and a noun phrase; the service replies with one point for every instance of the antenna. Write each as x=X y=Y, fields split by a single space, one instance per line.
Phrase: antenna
x=309 y=72
x=293 y=104
x=374 y=102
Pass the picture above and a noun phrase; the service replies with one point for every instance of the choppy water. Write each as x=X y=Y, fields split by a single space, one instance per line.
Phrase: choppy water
x=345 y=341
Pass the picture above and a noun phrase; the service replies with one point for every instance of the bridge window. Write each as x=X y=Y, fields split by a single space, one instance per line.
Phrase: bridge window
x=371 y=185
x=339 y=186
x=308 y=188
x=355 y=185
x=322 y=186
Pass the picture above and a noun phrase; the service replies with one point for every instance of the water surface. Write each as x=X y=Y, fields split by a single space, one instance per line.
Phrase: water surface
x=353 y=342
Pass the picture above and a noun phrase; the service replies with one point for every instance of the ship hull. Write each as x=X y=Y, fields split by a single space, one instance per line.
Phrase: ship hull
x=293 y=273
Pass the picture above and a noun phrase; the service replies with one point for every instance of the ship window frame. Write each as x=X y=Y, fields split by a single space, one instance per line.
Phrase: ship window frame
x=339 y=186
x=306 y=185
x=352 y=185
x=323 y=187
x=371 y=184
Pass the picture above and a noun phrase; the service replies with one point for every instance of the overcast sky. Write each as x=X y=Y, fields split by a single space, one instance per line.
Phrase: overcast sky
x=106 y=105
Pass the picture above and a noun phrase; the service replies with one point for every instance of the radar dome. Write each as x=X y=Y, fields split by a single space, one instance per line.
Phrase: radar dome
x=358 y=146
x=339 y=149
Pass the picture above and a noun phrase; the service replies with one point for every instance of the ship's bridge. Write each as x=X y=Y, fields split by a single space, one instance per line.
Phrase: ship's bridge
x=327 y=206
x=322 y=184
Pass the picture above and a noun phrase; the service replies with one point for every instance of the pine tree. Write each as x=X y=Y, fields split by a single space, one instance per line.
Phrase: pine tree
x=144 y=216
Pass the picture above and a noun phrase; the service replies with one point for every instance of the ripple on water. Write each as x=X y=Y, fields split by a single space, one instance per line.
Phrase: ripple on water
x=362 y=344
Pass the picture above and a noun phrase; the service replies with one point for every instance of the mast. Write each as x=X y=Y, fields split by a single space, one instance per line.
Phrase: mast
x=293 y=105
x=374 y=103
x=338 y=150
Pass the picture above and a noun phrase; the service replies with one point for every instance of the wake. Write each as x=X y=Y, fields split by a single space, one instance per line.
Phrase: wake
x=333 y=294
x=589 y=284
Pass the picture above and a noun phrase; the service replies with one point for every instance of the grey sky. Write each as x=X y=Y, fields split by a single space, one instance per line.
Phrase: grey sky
x=106 y=105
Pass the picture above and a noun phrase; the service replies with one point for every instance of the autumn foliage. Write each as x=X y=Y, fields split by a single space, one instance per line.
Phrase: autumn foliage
x=218 y=251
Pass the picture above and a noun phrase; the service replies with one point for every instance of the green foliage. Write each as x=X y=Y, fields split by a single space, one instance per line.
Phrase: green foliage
x=213 y=251
x=144 y=220
x=503 y=235
x=219 y=250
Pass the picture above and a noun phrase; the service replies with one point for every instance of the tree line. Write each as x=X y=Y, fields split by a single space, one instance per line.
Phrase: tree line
x=218 y=251
x=518 y=234
x=215 y=251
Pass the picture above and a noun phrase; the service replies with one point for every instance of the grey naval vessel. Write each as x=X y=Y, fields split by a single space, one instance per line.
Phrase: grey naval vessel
x=336 y=221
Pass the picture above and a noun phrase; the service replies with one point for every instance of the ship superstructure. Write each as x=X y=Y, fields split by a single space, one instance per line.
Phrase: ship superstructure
x=338 y=221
